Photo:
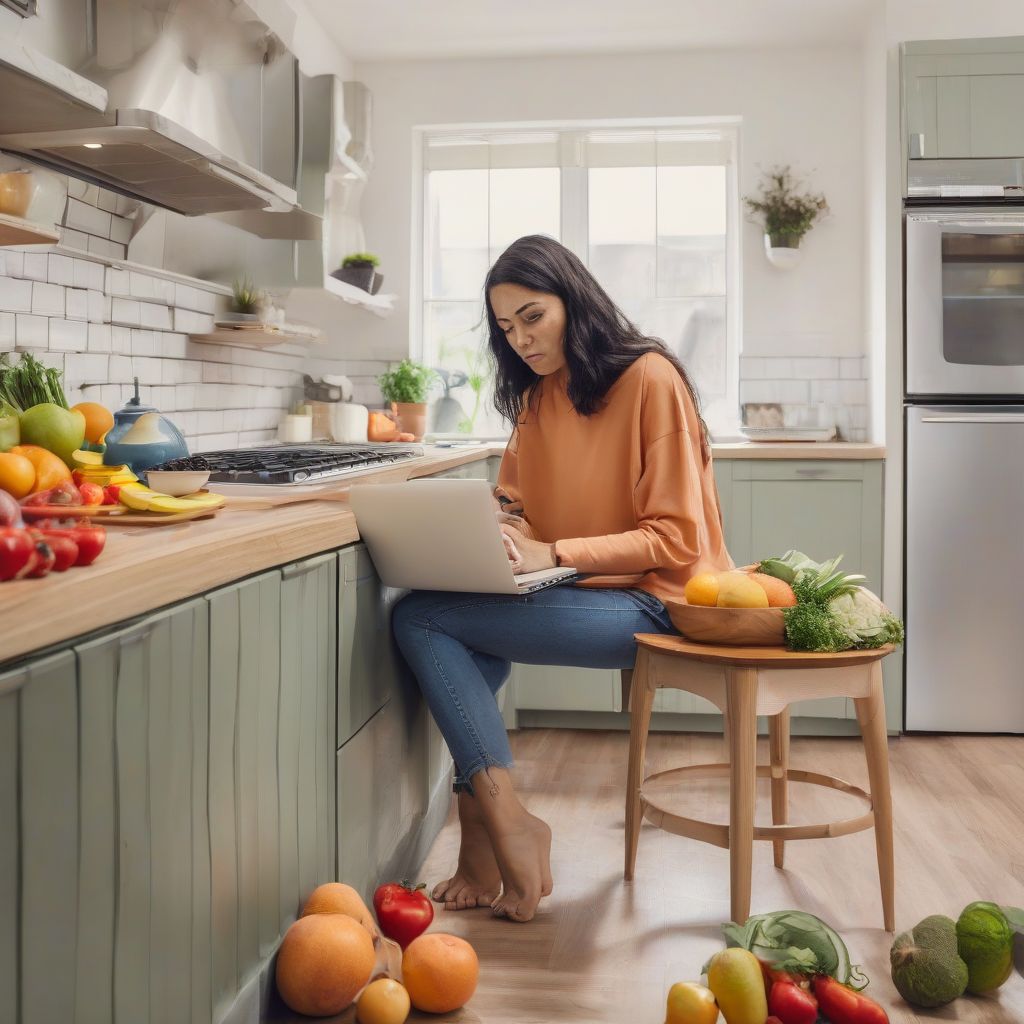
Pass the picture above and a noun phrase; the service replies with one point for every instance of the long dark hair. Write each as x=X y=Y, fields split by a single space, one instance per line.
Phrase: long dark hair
x=600 y=341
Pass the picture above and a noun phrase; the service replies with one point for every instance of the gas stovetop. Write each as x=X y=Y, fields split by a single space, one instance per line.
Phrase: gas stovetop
x=296 y=463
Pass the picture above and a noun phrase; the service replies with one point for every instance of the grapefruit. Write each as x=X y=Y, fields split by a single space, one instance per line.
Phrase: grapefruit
x=440 y=972
x=324 y=960
x=98 y=420
x=339 y=898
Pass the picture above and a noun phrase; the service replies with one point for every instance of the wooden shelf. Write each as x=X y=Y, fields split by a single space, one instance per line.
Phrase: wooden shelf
x=259 y=335
x=382 y=305
x=17 y=231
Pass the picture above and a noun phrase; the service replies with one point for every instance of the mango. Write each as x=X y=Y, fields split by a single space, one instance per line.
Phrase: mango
x=735 y=977
x=738 y=590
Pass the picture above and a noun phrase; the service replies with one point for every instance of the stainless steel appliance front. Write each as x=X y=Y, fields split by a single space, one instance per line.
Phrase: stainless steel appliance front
x=965 y=302
x=965 y=563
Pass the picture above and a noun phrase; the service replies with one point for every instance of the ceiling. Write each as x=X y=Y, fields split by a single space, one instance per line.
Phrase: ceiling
x=367 y=30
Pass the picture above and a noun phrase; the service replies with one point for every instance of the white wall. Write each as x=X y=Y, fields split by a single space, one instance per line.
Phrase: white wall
x=952 y=19
x=799 y=106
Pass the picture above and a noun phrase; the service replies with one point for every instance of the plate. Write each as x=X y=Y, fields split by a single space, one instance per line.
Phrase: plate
x=728 y=627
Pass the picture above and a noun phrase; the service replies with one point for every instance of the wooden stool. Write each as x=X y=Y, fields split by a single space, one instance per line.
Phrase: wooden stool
x=753 y=681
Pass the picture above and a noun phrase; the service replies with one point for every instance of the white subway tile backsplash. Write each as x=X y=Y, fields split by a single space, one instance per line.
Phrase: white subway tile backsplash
x=825 y=391
x=68 y=335
x=141 y=286
x=89 y=219
x=74 y=239
x=103 y=247
x=120 y=368
x=87 y=274
x=852 y=368
x=186 y=297
x=158 y=317
x=187 y=321
x=76 y=304
x=99 y=338
x=107 y=200
x=146 y=369
x=32 y=331
x=816 y=368
x=14 y=263
x=125 y=312
x=853 y=392
x=60 y=269
x=118 y=283
x=6 y=331
x=120 y=229
x=145 y=343
x=121 y=340
x=99 y=307
x=85 y=369
x=47 y=299
x=15 y=296
x=36 y=264
x=173 y=346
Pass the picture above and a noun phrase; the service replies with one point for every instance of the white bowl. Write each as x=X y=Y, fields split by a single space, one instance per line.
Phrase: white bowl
x=177 y=482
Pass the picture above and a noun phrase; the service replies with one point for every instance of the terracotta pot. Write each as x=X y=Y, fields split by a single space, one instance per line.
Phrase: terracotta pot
x=16 y=191
x=412 y=417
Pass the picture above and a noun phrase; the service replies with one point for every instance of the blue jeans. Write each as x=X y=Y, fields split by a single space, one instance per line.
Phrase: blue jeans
x=460 y=648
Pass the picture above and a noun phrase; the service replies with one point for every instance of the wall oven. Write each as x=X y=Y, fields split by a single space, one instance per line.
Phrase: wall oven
x=965 y=301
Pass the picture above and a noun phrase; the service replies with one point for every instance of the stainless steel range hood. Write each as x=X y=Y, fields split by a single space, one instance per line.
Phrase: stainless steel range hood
x=202 y=103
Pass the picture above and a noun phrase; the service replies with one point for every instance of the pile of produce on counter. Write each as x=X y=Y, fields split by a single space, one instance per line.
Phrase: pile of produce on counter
x=824 y=609
x=334 y=960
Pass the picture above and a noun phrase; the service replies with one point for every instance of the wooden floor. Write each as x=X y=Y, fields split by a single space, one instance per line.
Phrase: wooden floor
x=604 y=950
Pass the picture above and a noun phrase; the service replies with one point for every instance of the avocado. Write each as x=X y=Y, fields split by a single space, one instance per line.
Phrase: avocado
x=926 y=967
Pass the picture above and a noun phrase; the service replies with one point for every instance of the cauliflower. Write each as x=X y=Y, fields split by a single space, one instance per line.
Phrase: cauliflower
x=865 y=620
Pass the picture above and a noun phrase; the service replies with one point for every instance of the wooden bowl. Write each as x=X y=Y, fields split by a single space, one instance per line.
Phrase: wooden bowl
x=729 y=627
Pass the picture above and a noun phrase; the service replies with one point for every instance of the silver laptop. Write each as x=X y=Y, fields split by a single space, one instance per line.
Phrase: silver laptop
x=441 y=535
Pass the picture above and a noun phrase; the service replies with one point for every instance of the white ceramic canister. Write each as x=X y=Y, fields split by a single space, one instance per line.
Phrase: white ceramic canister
x=349 y=422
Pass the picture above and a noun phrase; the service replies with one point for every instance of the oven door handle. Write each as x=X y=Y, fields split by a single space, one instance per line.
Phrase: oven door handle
x=992 y=417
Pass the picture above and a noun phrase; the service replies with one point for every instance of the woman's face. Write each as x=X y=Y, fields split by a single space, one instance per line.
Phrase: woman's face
x=534 y=324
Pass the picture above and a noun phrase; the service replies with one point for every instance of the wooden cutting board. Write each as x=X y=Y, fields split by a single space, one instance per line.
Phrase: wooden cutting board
x=158 y=518
x=261 y=501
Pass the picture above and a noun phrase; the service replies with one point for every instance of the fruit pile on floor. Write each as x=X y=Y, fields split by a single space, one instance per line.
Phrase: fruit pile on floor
x=790 y=967
x=337 y=959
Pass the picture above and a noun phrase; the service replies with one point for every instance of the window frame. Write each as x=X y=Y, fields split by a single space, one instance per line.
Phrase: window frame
x=574 y=217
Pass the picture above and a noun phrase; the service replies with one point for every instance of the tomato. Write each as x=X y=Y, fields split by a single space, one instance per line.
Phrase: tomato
x=89 y=539
x=403 y=911
x=842 y=1005
x=792 y=1004
x=690 y=1003
x=65 y=551
x=92 y=494
x=16 y=550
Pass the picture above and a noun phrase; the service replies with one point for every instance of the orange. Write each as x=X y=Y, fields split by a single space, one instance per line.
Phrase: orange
x=702 y=589
x=324 y=960
x=339 y=898
x=440 y=972
x=383 y=1002
x=17 y=474
x=780 y=594
x=50 y=468
x=98 y=420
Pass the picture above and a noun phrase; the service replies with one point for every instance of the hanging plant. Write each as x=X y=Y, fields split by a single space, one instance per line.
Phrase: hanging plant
x=785 y=214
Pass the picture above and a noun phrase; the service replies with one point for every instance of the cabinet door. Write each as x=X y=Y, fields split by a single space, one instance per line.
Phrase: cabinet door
x=563 y=688
x=469 y=471
x=366 y=655
x=820 y=507
x=40 y=942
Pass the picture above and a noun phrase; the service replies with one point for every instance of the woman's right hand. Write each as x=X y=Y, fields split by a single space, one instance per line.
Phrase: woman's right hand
x=508 y=505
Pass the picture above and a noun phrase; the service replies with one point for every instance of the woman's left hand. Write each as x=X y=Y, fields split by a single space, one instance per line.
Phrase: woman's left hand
x=533 y=554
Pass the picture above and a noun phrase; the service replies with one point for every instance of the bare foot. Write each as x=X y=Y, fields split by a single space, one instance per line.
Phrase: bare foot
x=477 y=880
x=523 y=852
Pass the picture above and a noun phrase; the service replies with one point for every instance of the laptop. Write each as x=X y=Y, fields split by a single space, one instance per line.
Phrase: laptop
x=441 y=535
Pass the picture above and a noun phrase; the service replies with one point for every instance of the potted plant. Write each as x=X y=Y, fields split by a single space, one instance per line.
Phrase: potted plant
x=406 y=387
x=786 y=215
x=360 y=269
x=247 y=301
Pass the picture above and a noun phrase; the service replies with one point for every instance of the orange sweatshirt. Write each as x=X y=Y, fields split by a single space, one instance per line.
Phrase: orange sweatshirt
x=622 y=493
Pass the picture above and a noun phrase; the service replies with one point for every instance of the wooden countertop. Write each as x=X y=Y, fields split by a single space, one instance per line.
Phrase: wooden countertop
x=147 y=567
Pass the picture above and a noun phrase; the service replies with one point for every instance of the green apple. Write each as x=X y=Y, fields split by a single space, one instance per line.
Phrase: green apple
x=58 y=430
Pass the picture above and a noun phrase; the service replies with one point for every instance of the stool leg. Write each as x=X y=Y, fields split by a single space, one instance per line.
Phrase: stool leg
x=641 y=700
x=778 y=743
x=871 y=716
x=741 y=702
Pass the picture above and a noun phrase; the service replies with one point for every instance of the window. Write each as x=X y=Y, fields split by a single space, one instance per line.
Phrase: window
x=650 y=210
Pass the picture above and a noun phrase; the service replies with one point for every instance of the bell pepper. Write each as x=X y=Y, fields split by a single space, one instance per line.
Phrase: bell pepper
x=792 y=1004
x=17 y=547
x=839 y=1003
x=90 y=541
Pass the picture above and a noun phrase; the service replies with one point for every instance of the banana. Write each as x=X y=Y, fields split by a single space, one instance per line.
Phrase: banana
x=144 y=499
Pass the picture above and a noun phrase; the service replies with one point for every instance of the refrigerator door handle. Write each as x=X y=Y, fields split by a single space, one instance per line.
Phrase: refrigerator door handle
x=976 y=418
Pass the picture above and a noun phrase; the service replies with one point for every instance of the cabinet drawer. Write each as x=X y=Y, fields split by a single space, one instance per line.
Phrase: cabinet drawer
x=469 y=471
x=803 y=469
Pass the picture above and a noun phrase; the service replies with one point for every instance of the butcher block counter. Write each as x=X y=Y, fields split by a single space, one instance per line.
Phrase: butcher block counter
x=147 y=567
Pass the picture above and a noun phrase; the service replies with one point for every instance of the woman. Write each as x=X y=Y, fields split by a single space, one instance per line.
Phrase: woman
x=608 y=470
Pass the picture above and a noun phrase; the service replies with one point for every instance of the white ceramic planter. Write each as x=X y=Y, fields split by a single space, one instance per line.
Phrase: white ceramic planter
x=782 y=257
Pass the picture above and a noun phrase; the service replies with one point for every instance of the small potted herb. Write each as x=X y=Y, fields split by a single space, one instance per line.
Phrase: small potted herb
x=360 y=269
x=785 y=214
x=247 y=301
x=406 y=387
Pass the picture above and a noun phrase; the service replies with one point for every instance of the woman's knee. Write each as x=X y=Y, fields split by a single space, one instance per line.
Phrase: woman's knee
x=416 y=611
